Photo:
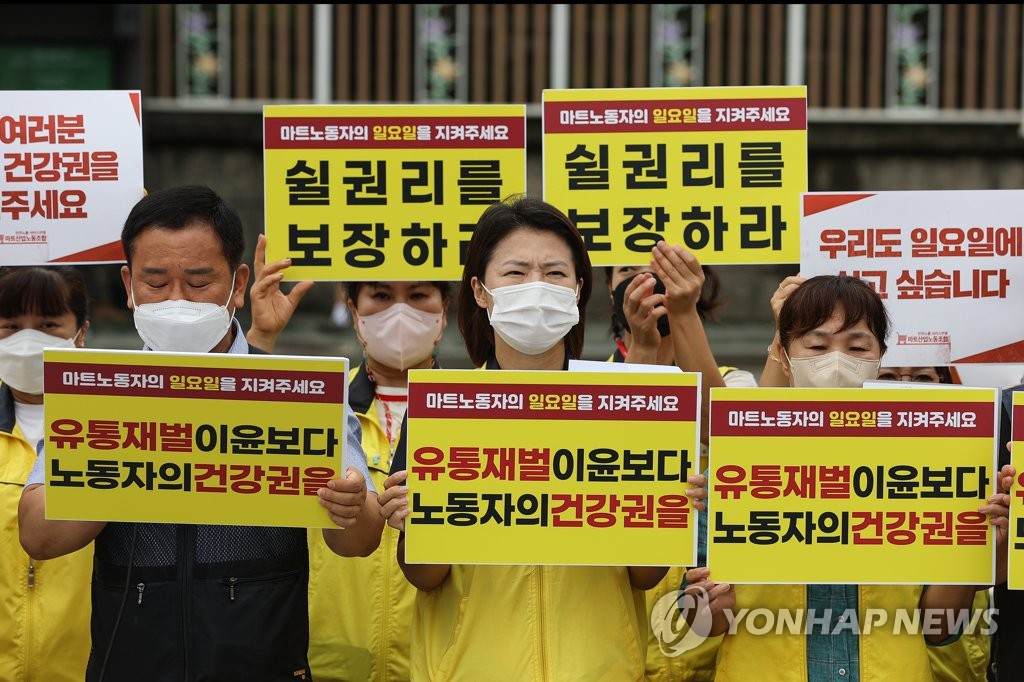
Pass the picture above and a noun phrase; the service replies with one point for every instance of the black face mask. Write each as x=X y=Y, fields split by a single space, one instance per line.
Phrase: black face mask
x=618 y=298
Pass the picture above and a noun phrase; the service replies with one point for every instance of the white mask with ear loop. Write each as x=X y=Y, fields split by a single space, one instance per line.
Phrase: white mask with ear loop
x=832 y=370
x=534 y=316
x=183 y=326
x=21 y=358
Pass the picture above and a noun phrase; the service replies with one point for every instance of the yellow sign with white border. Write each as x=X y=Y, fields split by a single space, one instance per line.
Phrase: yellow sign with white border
x=386 y=191
x=871 y=485
x=719 y=170
x=549 y=467
x=192 y=437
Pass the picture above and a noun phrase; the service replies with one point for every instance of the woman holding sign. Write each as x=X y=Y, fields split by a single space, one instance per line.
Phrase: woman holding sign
x=44 y=614
x=524 y=291
x=360 y=608
x=363 y=633
x=831 y=334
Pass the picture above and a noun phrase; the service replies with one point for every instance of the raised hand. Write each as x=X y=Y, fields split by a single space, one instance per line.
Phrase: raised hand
x=272 y=309
x=682 y=274
x=643 y=308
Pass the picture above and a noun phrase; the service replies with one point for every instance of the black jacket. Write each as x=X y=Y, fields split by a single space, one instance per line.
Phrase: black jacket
x=183 y=603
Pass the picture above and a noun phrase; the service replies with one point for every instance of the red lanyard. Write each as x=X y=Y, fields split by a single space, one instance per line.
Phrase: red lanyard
x=385 y=399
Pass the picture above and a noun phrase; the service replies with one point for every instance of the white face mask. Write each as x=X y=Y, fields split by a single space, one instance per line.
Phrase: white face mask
x=21 y=358
x=534 y=316
x=831 y=370
x=400 y=336
x=183 y=326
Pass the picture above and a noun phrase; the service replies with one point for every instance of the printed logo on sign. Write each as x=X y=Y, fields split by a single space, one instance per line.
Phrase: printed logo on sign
x=923 y=339
x=669 y=620
x=24 y=237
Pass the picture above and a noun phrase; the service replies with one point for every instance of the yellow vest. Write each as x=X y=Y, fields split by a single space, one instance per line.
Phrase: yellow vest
x=967 y=659
x=530 y=624
x=884 y=655
x=360 y=607
x=44 y=609
x=694 y=665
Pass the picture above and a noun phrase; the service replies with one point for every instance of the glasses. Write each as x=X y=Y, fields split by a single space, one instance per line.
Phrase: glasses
x=923 y=376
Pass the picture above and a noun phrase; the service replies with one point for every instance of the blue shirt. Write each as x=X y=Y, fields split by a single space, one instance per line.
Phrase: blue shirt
x=833 y=647
x=833 y=651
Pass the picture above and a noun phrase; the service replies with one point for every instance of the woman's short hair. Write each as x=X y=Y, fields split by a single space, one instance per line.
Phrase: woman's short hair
x=497 y=222
x=48 y=290
x=814 y=302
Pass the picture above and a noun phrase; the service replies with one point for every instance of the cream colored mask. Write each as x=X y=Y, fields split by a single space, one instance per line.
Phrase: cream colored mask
x=831 y=370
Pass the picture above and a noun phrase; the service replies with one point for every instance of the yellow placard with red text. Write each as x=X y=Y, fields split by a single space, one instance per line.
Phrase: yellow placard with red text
x=549 y=467
x=1015 y=550
x=385 y=191
x=192 y=438
x=872 y=485
x=719 y=170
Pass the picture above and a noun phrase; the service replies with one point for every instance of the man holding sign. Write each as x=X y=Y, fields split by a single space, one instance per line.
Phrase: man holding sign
x=207 y=601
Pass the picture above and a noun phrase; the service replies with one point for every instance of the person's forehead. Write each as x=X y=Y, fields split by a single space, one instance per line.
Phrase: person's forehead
x=36 y=315
x=400 y=285
x=834 y=328
x=620 y=273
x=532 y=239
x=199 y=242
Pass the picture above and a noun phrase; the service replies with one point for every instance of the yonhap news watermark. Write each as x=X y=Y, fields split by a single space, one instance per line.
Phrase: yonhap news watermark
x=682 y=621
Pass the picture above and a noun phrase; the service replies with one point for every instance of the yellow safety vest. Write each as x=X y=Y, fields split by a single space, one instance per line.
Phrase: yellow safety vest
x=45 y=609
x=530 y=624
x=884 y=654
x=360 y=608
x=967 y=659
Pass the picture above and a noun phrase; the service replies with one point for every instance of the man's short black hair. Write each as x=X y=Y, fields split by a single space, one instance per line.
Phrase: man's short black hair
x=181 y=207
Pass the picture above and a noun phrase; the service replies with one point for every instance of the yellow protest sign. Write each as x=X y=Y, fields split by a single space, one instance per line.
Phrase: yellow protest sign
x=719 y=170
x=192 y=438
x=568 y=468
x=1015 y=552
x=872 y=485
x=385 y=192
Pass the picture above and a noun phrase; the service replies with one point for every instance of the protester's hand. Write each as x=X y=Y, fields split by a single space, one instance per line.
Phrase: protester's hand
x=343 y=498
x=698 y=491
x=643 y=308
x=272 y=309
x=998 y=511
x=779 y=296
x=394 y=501
x=1006 y=477
x=998 y=507
x=720 y=596
x=682 y=275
